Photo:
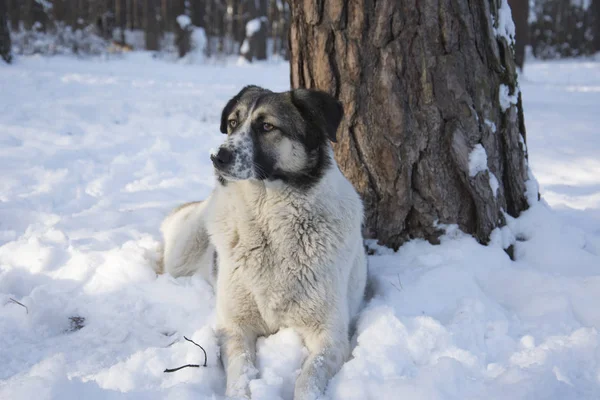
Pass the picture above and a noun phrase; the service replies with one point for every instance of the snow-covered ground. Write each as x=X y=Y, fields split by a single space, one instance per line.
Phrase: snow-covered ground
x=94 y=154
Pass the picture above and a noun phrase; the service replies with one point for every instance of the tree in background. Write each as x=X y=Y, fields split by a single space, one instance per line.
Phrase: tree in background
x=151 y=25
x=15 y=14
x=255 y=42
x=520 y=16
x=595 y=11
x=52 y=26
x=5 y=45
x=433 y=131
x=562 y=28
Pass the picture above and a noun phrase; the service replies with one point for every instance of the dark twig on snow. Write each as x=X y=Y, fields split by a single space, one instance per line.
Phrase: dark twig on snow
x=202 y=348
x=21 y=304
x=190 y=365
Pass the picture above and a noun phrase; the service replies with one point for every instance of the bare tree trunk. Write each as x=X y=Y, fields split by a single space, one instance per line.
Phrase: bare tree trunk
x=520 y=15
x=422 y=85
x=28 y=17
x=197 y=11
x=121 y=18
x=255 y=43
x=151 y=28
x=15 y=14
x=5 y=44
x=183 y=33
x=136 y=15
x=595 y=16
x=260 y=38
x=59 y=9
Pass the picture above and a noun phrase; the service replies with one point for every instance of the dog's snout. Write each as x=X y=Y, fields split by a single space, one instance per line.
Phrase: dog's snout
x=223 y=158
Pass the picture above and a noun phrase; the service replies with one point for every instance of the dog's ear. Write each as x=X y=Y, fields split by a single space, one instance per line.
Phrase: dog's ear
x=232 y=103
x=320 y=110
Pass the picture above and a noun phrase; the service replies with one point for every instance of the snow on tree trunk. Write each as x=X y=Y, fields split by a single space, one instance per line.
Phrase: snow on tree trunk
x=255 y=43
x=183 y=33
x=5 y=45
x=433 y=131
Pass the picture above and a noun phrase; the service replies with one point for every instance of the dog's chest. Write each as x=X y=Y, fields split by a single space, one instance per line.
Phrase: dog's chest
x=278 y=259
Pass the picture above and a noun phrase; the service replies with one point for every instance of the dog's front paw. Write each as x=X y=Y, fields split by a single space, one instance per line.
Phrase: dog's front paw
x=238 y=391
x=306 y=388
x=238 y=379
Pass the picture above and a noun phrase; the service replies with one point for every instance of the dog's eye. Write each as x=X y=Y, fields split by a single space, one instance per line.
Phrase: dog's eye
x=267 y=127
x=232 y=123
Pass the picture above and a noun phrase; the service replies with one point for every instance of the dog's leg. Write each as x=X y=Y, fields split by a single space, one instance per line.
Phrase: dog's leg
x=328 y=350
x=238 y=352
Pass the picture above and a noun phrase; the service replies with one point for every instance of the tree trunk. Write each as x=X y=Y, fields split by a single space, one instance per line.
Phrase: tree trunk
x=183 y=34
x=421 y=85
x=59 y=9
x=520 y=15
x=255 y=42
x=595 y=17
x=5 y=45
x=28 y=17
x=197 y=10
x=120 y=19
x=15 y=14
x=151 y=28
x=135 y=14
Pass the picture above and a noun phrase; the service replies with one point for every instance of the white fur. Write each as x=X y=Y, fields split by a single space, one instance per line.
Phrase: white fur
x=286 y=258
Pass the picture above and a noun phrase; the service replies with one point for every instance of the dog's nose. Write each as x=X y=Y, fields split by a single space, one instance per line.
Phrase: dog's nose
x=223 y=158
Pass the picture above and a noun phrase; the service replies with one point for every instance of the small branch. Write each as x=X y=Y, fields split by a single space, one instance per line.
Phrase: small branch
x=190 y=365
x=21 y=304
x=183 y=366
x=398 y=286
x=205 y=357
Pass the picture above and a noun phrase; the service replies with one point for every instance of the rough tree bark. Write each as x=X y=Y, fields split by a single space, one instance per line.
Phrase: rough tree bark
x=420 y=82
x=5 y=44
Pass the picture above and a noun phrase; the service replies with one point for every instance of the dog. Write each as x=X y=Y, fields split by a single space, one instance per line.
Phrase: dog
x=279 y=237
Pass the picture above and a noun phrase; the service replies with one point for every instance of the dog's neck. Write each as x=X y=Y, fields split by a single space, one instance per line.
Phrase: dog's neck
x=256 y=192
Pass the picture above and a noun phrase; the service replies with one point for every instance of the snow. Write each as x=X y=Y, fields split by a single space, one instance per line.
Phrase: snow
x=506 y=99
x=505 y=27
x=184 y=21
x=491 y=125
x=95 y=153
x=245 y=47
x=253 y=26
x=494 y=185
x=477 y=160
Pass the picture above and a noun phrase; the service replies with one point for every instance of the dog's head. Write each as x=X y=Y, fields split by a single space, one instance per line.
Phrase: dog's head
x=277 y=136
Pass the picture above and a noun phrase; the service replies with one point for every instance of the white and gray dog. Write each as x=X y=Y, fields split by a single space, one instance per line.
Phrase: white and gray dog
x=279 y=237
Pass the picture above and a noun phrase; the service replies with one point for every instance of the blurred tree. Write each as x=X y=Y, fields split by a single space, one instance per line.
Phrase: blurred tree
x=151 y=26
x=15 y=14
x=520 y=15
x=255 y=42
x=428 y=89
x=183 y=27
x=562 y=28
x=595 y=12
x=5 y=45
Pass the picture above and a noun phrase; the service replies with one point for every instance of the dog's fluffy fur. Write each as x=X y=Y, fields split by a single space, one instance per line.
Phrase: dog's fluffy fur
x=279 y=237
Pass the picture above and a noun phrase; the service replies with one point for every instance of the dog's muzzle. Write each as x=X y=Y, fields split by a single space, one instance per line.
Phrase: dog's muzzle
x=223 y=159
